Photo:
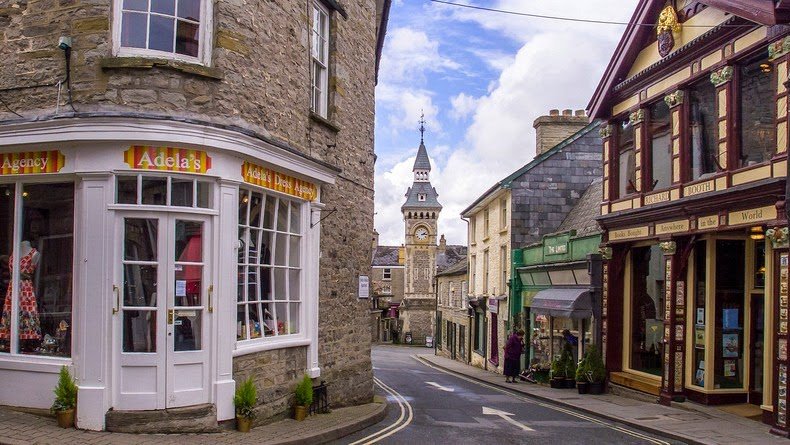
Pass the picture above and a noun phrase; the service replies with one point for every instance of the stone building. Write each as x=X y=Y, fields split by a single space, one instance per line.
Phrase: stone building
x=177 y=188
x=452 y=312
x=694 y=210
x=519 y=210
x=387 y=286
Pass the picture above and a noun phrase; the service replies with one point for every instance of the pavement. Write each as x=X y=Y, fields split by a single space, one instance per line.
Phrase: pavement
x=20 y=428
x=688 y=422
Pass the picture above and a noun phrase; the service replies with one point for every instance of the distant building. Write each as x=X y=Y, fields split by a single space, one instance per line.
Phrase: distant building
x=387 y=286
x=452 y=312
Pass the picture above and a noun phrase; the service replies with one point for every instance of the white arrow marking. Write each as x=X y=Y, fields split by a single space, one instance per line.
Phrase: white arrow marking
x=440 y=387
x=505 y=415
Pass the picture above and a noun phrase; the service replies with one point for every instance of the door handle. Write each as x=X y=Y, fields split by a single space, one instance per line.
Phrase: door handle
x=117 y=292
x=170 y=316
x=210 y=293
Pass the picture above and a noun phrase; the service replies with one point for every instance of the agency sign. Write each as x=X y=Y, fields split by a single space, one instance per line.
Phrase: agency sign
x=31 y=162
x=280 y=182
x=167 y=159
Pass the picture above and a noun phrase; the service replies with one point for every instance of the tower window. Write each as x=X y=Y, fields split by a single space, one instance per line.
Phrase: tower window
x=421 y=197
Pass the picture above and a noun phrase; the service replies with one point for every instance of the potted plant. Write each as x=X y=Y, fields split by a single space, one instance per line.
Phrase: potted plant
x=570 y=367
x=557 y=373
x=596 y=370
x=245 y=399
x=65 y=399
x=582 y=382
x=304 y=397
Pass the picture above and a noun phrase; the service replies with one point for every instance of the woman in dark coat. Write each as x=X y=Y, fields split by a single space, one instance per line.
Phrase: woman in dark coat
x=513 y=350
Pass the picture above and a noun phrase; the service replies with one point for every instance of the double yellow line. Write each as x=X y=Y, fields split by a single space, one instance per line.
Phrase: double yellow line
x=406 y=416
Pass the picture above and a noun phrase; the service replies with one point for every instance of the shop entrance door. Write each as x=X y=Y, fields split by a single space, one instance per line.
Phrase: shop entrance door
x=162 y=311
x=757 y=328
x=451 y=339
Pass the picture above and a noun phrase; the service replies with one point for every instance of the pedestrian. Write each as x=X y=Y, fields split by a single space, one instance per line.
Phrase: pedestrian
x=513 y=349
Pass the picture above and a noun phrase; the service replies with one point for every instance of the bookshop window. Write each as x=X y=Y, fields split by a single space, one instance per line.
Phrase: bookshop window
x=702 y=127
x=700 y=280
x=269 y=266
x=660 y=146
x=626 y=160
x=758 y=116
x=729 y=356
x=37 y=274
x=647 y=309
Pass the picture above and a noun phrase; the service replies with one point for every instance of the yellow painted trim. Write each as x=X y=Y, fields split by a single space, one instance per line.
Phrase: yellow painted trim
x=698 y=188
x=636 y=203
x=781 y=75
x=749 y=216
x=629 y=233
x=656 y=198
x=768 y=330
x=710 y=60
x=780 y=169
x=604 y=210
x=708 y=222
x=751 y=38
x=674 y=194
x=627 y=310
x=781 y=107
x=669 y=81
x=721 y=183
x=625 y=105
x=622 y=205
x=681 y=225
x=722 y=103
x=781 y=137
x=751 y=175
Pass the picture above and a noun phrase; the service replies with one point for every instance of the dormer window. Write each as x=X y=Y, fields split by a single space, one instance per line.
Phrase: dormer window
x=421 y=197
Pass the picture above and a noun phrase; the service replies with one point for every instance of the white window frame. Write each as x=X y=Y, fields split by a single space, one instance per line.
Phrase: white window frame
x=386 y=274
x=503 y=219
x=319 y=77
x=205 y=41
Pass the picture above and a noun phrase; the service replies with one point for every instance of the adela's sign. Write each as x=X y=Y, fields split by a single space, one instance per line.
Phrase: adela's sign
x=31 y=162
x=167 y=159
x=279 y=182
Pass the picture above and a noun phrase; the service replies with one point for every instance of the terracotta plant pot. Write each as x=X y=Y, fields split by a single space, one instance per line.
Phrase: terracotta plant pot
x=300 y=412
x=583 y=387
x=597 y=387
x=243 y=424
x=66 y=418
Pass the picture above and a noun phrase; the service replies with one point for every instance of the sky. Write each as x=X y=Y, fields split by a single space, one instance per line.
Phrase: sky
x=481 y=78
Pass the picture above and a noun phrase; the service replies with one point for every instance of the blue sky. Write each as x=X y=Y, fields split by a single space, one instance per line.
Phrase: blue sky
x=481 y=79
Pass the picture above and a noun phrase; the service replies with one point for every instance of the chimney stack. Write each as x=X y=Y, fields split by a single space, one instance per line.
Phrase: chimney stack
x=442 y=244
x=552 y=129
x=375 y=239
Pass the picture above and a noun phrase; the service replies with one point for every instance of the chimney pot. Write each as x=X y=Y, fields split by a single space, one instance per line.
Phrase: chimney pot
x=581 y=113
x=567 y=112
x=554 y=112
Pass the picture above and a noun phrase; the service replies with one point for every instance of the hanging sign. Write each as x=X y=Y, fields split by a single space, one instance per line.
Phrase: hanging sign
x=280 y=182
x=364 y=287
x=31 y=162
x=167 y=159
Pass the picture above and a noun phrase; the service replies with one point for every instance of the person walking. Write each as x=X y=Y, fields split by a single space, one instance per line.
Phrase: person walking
x=513 y=350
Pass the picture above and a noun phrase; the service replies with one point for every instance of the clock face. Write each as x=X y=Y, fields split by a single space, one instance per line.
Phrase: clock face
x=421 y=234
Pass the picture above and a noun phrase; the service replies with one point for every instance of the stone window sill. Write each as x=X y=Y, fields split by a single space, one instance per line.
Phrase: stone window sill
x=149 y=62
x=325 y=122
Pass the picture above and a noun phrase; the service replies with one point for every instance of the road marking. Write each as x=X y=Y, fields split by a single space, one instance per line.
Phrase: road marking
x=506 y=416
x=397 y=425
x=440 y=387
x=545 y=405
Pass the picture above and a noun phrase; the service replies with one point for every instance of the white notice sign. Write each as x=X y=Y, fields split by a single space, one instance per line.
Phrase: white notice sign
x=181 y=288
x=364 y=286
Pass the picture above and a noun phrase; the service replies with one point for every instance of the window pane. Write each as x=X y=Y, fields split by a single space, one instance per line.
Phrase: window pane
x=279 y=284
x=188 y=285
x=660 y=148
x=187 y=330
x=702 y=125
x=44 y=270
x=255 y=209
x=139 y=285
x=242 y=283
x=268 y=216
x=293 y=252
x=758 y=115
x=204 y=195
x=163 y=6
x=7 y=195
x=266 y=283
x=134 y=28
x=139 y=331
x=282 y=216
x=161 y=35
x=647 y=310
x=729 y=362
x=294 y=319
x=181 y=192
x=187 y=38
x=189 y=241
x=154 y=191
x=241 y=323
x=254 y=253
x=255 y=320
x=293 y=285
x=189 y=9
x=282 y=318
x=280 y=247
x=140 y=239
x=244 y=199
x=265 y=249
x=627 y=161
x=296 y=225
x=127 y=190
x=136 y=5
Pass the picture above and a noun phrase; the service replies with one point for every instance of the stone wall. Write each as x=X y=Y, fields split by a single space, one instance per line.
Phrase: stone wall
x=258 y=80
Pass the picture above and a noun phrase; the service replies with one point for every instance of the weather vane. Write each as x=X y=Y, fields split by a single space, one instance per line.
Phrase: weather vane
x=422 y=126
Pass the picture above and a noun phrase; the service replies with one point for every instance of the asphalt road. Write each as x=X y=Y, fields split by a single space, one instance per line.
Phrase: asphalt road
x=430 y=406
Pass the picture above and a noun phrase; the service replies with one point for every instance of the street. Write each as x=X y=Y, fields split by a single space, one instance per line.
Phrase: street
x=428 y=405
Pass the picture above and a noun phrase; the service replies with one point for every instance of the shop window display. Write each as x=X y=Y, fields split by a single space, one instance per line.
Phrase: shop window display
x=729 y=356
x=269 y=266
x=647 y=309
x=37 y=275
x=700 y=280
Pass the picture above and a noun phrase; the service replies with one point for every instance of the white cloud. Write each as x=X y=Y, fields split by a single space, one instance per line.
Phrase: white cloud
x=463 y=105
x=410 y=54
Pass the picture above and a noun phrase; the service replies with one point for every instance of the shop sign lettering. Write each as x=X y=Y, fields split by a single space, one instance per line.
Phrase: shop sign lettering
x=708 y=222
x=557 y=250
x=273 y=180
x=672 y=227
x=634 y=232
x=167 y=159
x=696 y=189
x=656 y=198
x=766 y=213
x=31 y=162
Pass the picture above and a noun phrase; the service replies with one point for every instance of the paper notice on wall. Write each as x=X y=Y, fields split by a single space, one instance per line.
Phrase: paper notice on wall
x=181 y=288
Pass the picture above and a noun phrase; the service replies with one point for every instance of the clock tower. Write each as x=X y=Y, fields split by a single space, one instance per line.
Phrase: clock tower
x=420 y=213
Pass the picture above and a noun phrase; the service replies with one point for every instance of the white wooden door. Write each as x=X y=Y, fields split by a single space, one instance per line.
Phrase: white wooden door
x=162 y=311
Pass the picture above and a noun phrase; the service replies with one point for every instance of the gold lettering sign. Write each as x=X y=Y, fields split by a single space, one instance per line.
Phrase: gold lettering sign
x=633 y=232
x=672 y=227
x=167 y=159
x=696 y=189
x=766 y=213
x=657 y=197
x=708 y=222
x=274 y=180
x=31 y=162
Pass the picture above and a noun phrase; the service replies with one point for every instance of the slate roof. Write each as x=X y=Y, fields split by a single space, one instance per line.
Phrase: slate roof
x=450 y=257
x=582 y=217
x=431 y=197
x=422 y=162
x=385 y=256
x=459 y=268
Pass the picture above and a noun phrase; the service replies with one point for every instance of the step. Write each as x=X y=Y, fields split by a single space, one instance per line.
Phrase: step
x=637 y=382
x=188 y=419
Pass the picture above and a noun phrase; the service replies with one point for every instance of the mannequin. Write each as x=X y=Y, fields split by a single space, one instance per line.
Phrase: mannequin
x=29 y=327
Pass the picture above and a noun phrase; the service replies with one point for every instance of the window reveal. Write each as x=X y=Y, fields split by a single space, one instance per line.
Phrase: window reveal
x=702 y=126
x=626 y=182
x=660 y=146
x=757 y=123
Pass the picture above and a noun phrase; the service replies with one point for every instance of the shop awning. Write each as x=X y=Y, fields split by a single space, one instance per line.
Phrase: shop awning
x=563 y=302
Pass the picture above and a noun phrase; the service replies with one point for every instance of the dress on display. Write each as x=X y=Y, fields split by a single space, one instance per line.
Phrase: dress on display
x=29 y=327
